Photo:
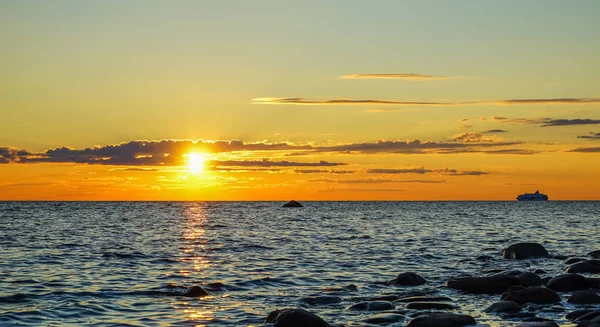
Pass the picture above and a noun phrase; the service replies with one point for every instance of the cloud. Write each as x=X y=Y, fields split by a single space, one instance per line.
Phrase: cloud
x=470 y=137
x=407 y=77
x=323 y=171
x=422 y=170
x=269 y=163
x=345 y=101
x=491 y=131
x=586 y=150
x=592 y=136
x=548 y=122
x=493 y=151
x=376 y=181
x=9 y=153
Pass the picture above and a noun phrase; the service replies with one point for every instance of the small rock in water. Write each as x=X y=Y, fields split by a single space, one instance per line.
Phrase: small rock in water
x=295 y=318
x=372 y=306
x=442 y=320
x=524 y=251
x=483 y=285
x=584 y=297
x=321 y=300
x=292 y=204
x=196 y=291
x=568 y=283
x=538 y=295
x=429 y=305
x=504 y=306
x=587 y=266
x=424 y=299
x=574 y=260
x=409 y=279
x=384 y=318
x=577 y=313
x=595 y=254
x=529 y=279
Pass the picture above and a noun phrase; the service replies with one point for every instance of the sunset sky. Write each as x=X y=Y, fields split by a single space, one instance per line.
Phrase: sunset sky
x=306 y=100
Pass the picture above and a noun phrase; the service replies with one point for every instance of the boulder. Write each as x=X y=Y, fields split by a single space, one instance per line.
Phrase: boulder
x=372 y=306
x=321 y=300
x=442 y=320
x=196 y=291
x=577 y=313
x=587 y=266
x=483 y=285
x=538 y=295
x=574 y=260
x=408 y=279
x=504 y=306
x=429 y=305
x=584 y=297
x=384 y=318
x=295 y=318
x=568 y=283
x=524 y=251
x=424 y=299
x=529 y=279
x=292 y=204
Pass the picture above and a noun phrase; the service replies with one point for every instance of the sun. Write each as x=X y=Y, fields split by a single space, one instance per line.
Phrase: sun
x=196 y=162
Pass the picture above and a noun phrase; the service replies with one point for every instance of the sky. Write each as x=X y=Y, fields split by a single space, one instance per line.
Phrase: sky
x=310 y=100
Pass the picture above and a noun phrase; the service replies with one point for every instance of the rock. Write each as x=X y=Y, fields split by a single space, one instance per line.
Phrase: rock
x=584 y=297
x=577 y=313
x=292 y=204
x=595 y=254
x=504 y=306
x=538 y=295
x=372 y=306
x=483 y=285
x=385 y=298
x=295 y=318
x=409 y=279
x=321 y=300
x=574 y=260
x=442 y=320
x=429 y=305
x=524 y=251
x=196 y=291
x=529 y=279
x=591 y=319
x=587 y=266
x=538 y=324
x=424 y=299
x=568 y=283
x=593 y=282
x=384 y=318
x=540 y=271
x=546 y=279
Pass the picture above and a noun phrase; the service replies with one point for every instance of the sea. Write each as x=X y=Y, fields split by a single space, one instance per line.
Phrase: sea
x=129 y=263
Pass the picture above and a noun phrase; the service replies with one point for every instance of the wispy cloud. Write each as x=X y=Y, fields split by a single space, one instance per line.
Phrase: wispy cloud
x=492 y=131
x=345 y=101
x=586 y=150
x=422 y=170
x=376 y=181
x=270 y=163
x=474 y=137
x=407 y=77
x=548 y=122
x=591 y=136
x=323 y=171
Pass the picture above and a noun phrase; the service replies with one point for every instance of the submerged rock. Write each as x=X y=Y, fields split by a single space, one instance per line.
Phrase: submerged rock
x=587 y=266
x=408 y=279
x=538 y=295
x=372 y=306
x=384 y=318
x=430 y=305
x=424 y=299
x=584 y=297
x=568 y=283
x=321 y=300
x=196 y=291
x=524 y=251
x=442 y=320
x=504 y=306
x=483 y=285
x=292 y=204
x=577 y=313
x=295 y=318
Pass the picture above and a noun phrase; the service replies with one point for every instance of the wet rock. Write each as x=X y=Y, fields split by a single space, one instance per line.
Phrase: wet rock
x=196 y=291
x=385 y=318
x=593 y=282
x=295 y=318
x=587 y=266
x=584 y=297
x=504 y=306
x=292 y=204
x=568 y=283
x=429 y=305
x=372 y=306
x=538 y=295
x=385 y=298
x=546 y=279
x=409 y=279
x=595 y=254
x=321 y=300
x=538 y=324
x=442 y=320
x=574 y=260
x=483 y=285
x=577 y=313
x=560 y=257
x=524 y=251
x=529 y=279
x=540 y=271
x=591 y=319
x=424 y=299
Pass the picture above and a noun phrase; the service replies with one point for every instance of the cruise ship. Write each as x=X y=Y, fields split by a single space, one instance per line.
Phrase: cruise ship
x=537 y=196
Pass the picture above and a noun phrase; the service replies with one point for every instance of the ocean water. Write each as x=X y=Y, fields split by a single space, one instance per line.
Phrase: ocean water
x=126 y=263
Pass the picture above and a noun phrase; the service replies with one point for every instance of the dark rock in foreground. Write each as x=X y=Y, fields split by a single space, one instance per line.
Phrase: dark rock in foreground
x=295 y=318
x=442 y=320
x=568 y=283
x=430 y=305
x=591 y=319
x=292 y=204
x=483 y=285
x=577 y=313
x=384 y=318
x=504 y=306
x=524 y=251
x=538 y=295
x=196 y=291
x=587 y=266
x=408 y=279
x=372 y=306
x=584 y=297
